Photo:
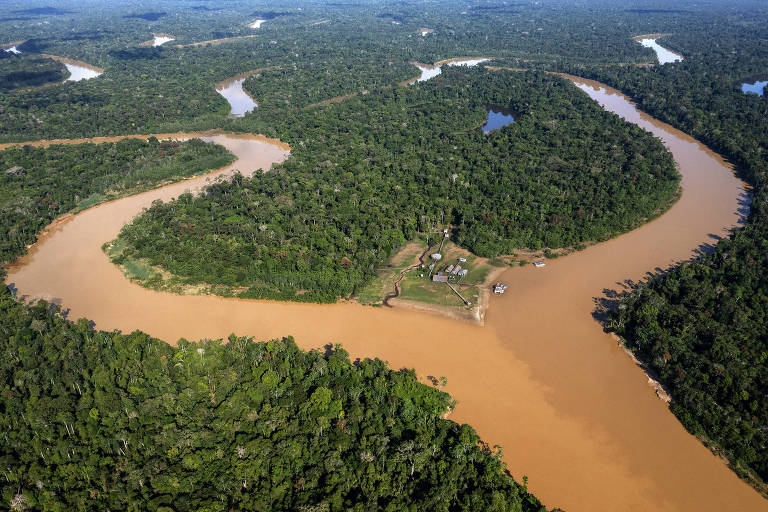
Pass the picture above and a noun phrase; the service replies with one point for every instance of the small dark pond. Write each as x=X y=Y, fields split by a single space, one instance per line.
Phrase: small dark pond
x=756 y=87
x=497 y=118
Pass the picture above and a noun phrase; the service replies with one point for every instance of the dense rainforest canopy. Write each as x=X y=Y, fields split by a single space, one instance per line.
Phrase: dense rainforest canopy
x=39 y=184
x=94 y=420
x=347 y=47
x=371 y=172
x=17 y=71
x=701 y=327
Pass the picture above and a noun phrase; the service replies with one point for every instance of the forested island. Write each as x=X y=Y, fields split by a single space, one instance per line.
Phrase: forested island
x=94 y=420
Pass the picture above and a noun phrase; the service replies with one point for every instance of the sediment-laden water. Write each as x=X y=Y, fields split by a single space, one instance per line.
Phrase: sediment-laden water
x=541 y=379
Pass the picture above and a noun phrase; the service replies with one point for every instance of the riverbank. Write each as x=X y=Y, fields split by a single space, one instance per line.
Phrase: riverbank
x=431 y=70
x=239 y=100
x=160 y=136
x=663 y=55
x=213 y=41
x=78 y=70
x=413 y=289
x=651 y=36
x=158 y=40
x=73 y=62
x=541 y=379
x=12 y=44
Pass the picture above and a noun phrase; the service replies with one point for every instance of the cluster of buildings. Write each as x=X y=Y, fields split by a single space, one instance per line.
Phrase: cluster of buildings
x=451 y=272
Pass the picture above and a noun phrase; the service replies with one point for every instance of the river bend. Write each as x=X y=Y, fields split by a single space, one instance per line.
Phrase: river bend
x=542 y=379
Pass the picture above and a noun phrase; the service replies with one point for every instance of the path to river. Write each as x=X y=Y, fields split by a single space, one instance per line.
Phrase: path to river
x=542 y=379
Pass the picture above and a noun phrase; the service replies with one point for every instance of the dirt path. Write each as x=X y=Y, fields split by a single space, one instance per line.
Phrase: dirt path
x=396 y=292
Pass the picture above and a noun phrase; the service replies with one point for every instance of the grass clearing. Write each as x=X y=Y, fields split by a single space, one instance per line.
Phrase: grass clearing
x=384 y=283
x=134 y=269
x=424 y=290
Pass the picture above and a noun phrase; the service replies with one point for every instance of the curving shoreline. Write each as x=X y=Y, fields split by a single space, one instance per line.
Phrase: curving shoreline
x=432 y=70
x=158 y=39
x=44 y=143
x=78 y=70
x=663 y=55
x=542 y=379
x=213 y=41
x=239 y=100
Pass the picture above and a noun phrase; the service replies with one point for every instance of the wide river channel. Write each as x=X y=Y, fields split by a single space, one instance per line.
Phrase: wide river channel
x=569 y=407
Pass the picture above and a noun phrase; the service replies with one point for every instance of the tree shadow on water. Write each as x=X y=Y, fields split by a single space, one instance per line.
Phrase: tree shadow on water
x=605 y=304
x=745 y=204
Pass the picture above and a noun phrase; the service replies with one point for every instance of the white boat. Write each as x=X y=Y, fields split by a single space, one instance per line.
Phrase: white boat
x=499 y=288
x=539 y=264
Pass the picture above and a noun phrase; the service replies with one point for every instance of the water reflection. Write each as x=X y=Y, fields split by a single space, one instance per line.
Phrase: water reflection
x=754 y=88
x=161 y=40
x=77 y=73
x=497 y=118
x=239 y=101
x=665 y=56
x=428 y=72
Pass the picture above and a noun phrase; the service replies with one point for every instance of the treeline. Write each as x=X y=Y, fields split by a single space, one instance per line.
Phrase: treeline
x=702 y=327
x=304 y=83
x=39 y=184
x=370 y=173
x=96 y=420
x=151 y=90
x=166 y=89
x=17 y=71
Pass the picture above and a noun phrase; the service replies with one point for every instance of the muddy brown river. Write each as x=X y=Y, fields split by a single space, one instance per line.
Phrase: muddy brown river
x=541 y=379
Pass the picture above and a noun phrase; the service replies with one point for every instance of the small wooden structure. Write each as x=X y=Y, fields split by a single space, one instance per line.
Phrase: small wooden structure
x=466 y=302
x=440 y=278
